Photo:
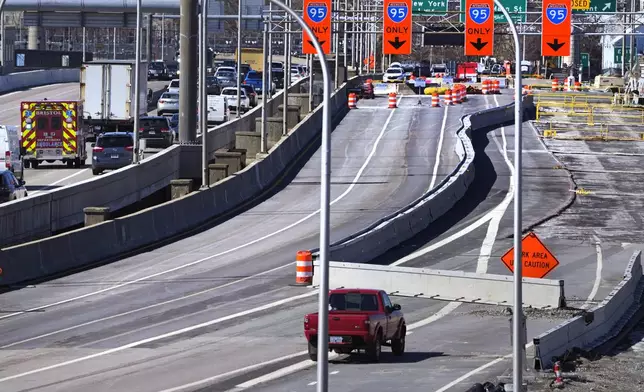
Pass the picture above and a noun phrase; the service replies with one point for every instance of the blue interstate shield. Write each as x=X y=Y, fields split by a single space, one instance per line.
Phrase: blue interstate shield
x=397 y=12
x=317 y=12
x=557 y=13
x=480 y=13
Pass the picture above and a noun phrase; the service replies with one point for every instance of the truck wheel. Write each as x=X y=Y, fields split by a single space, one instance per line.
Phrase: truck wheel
x=96 y=172
x=375 y=349
x=398 y=344
x=35 y=164
x=70 y=163
x=77 y=163
x=313 y=352
x=26 y=164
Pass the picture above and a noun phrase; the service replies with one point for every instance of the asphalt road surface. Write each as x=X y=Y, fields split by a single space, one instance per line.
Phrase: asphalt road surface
x=217 y=306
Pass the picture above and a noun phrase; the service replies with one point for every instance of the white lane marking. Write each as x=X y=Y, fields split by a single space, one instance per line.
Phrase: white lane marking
x=59 y=181
x=312 y=383
x=235 y=372
x=251 y=277
x=470 y=374
x=438 y=150
x=235 y=249
x=598 y=273
x=163 y=336
x=335 y=372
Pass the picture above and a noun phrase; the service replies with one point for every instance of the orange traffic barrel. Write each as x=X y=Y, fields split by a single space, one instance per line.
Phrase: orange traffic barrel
x=303 y=268
x=496 y=86
x=456 y=97
x=555 y=84
x=485 y=87
x=352 y=101
x=448 y=97
x=392 y=101
x=435 y=100
x=577 y=86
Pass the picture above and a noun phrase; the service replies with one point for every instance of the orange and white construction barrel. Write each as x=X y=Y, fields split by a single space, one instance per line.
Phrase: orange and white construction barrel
x=303 y=268
x=496 y=85
x=555 y=84
x=435 y=100
x=577 y=86
x=485 y=88
x=392 y=101
x=456 y=96
x=448 y=97
x=352 y=101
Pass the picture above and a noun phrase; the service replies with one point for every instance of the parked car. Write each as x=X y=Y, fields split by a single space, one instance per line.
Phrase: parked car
x=168 y=103
x=231 y=94
x=395 y=74
x=156 y=70
x=250 y=92
x=156 y=131
x=10 y=156
x=112 y=150
x=174 y=86
x=359 y=319
x=11 y=188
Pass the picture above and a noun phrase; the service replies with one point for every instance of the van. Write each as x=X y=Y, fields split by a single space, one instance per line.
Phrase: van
x=217 y=109
x=10 y=157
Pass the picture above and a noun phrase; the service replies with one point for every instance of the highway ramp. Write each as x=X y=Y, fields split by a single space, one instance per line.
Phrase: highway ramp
x=226 y=289
x=50 y=176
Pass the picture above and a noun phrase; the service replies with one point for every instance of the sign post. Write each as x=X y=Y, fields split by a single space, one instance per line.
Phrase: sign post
x=397 y=27
x=556 y=28
x=536 y=259
x=479 y=27
x=317 y=15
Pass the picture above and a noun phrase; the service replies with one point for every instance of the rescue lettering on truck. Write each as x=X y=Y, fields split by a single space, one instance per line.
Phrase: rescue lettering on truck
x=52 y=131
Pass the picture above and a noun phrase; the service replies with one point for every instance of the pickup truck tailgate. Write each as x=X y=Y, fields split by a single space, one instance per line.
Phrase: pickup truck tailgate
x=347 y=322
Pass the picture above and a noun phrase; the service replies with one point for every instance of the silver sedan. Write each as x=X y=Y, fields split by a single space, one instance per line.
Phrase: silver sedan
x=168 y=103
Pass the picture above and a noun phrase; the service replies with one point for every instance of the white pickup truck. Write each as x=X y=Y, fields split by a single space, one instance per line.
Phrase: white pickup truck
x=217 y=109
x=231 y=94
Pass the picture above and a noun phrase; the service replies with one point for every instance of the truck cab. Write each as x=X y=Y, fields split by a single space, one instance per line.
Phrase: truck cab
x=359 y=319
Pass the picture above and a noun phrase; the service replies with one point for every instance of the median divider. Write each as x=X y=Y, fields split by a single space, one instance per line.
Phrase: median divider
x=444 y=285
x=69 y=251
x=402 y=225
x=597 y=325
x=42 y=215
x=21 y=80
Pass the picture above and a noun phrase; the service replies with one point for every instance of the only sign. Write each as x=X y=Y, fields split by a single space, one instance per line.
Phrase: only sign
x=480 y=13
x=317 y=12
x=557 y=13
x=397 y=12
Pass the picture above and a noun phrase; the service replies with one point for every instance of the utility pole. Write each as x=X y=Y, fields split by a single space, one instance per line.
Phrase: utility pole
x=188 y=76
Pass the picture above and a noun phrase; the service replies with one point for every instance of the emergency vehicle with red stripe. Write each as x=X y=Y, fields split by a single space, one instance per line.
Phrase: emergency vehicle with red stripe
x=52 y=131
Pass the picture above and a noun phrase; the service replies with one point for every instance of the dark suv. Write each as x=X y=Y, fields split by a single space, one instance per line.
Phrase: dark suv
x=156 y=131
x=112 y=150
x=11 y=188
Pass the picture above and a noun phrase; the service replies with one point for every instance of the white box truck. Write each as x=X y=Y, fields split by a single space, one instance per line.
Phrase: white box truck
x=107 y=92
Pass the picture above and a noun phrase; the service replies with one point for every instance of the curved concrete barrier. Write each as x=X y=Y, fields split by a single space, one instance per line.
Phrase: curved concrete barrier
x=68 y=251
x=599 y=324
x=21 y=80
x=444 y=285
x=402 y=225
x=41 y=215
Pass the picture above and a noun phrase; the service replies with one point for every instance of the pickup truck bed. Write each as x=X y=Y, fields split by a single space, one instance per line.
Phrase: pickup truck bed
x=359 y=319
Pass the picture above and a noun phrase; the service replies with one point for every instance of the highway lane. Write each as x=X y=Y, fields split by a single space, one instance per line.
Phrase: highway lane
x=50 y=176
x=243 y=264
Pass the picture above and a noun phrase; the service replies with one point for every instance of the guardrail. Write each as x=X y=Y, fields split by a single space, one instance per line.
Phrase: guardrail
x=444 y=285
x=68 y=251
x=402 y=225
x=42 y=215
x=22 y=80
x=596 y=326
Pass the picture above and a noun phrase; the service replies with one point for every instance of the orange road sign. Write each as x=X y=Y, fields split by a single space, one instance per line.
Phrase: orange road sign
x=479 y=27
x=555 y=27
x=317 y=15
x=537 y=260
x=397 y=27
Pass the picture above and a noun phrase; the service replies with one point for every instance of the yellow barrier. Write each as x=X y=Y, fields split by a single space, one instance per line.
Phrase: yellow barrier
x=590 y=113
x=598 y=132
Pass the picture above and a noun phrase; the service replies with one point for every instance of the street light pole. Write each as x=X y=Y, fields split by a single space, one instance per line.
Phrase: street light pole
x=325 y=181
x=203 y=95
x=137 y=83
x=518 y=345
x=239 y=56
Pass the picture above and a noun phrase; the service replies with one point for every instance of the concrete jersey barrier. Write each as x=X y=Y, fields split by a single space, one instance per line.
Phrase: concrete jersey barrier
x=68 y=251
x=444 y=285
x=402 y=225
x=21 y=80
x=60 y=209
x=598 y=325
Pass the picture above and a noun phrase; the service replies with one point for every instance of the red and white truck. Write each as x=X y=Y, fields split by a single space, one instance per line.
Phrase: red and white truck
x=467 y=71
x=52 y=131
x=359 y=319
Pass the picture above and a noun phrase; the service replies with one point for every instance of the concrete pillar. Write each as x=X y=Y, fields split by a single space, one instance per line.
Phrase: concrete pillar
x=179 y=188
x=188 y=71
x=217 y=172
x=33 y=35
x=96 y=215
x=243 y=155
x=148 y=39
x=292 y=115
x=249 y=141
x=273 y=129
x=231 y=158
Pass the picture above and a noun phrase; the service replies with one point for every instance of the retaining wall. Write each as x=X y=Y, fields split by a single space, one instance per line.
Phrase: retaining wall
x=444 y=285
x=22 y=80
x=39 y=259
x=600 y=323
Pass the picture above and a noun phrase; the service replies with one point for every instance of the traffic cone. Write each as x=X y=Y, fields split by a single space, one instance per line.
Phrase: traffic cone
x=558 y=379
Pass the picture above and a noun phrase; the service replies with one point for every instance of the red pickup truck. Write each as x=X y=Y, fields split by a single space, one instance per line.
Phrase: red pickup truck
x=359 y=319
